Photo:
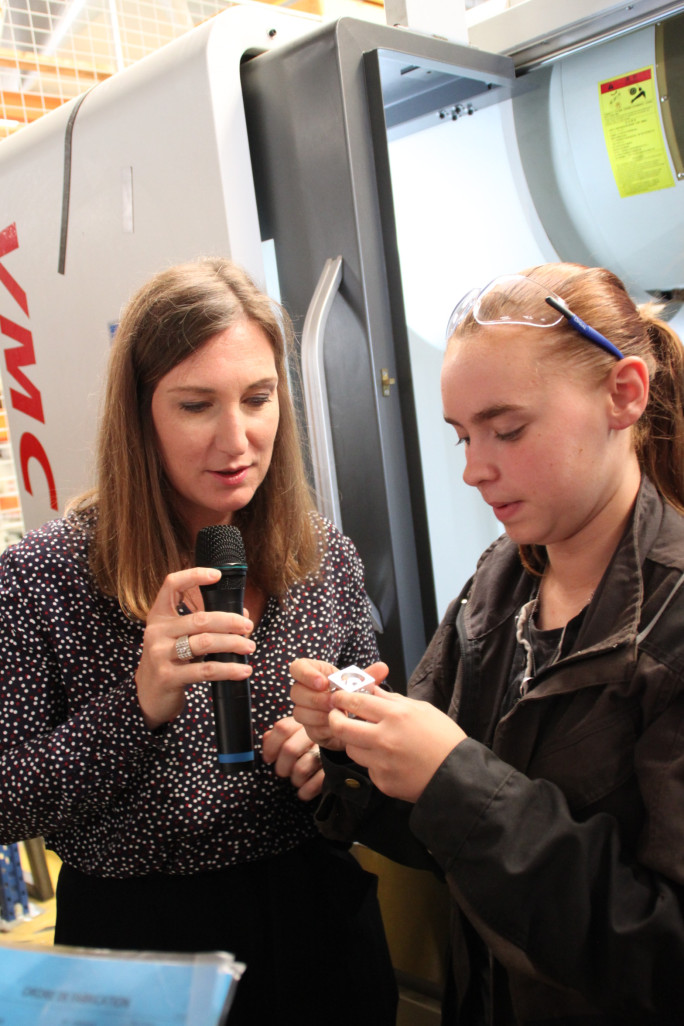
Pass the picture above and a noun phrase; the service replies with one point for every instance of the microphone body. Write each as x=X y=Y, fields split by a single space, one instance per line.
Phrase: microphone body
x=221 y=546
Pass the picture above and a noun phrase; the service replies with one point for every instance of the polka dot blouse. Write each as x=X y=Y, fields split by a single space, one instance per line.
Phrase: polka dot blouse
x=77 y=763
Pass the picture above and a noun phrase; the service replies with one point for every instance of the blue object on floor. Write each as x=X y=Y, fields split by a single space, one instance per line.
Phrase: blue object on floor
x=12 y=885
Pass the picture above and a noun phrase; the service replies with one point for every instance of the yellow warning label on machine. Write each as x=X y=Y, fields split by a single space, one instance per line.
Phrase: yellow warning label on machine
x=633 y=133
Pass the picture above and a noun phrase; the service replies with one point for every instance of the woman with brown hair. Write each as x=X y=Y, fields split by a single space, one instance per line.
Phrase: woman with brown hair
x=539 y=760
x=107 y=742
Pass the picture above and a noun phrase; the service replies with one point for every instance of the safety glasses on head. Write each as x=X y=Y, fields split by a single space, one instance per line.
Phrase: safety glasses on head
x=516 y=299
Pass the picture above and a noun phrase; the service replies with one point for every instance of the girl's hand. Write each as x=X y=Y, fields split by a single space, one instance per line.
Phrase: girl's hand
x=313 y=699
x=289 y=748
x=401 y=741
x=162 y=676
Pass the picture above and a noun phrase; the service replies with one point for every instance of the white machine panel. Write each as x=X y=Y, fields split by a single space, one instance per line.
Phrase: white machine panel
x=633 y=235
x=174 y=122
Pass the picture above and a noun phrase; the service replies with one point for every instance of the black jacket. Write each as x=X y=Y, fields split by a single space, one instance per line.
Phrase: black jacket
x=560 y=827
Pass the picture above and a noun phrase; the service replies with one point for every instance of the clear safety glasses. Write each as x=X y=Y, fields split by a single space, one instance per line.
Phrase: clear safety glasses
x=515 y=299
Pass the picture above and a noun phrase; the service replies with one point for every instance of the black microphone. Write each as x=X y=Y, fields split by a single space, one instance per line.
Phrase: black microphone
x=221 y=546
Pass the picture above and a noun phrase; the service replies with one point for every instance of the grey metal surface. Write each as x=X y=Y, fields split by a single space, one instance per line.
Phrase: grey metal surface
x=319 y=193
x=513 y=32
x=316 y=393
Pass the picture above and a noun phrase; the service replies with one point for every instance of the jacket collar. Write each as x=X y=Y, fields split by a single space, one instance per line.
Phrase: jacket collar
x=655 y=531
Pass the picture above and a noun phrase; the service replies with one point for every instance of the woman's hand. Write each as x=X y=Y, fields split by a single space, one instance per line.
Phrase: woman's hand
x=313 y=699
x=288 y=746
x=401 y=741
x=162 y=676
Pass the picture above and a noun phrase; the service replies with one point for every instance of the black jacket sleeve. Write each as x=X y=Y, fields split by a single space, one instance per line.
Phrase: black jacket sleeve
x=555 y=899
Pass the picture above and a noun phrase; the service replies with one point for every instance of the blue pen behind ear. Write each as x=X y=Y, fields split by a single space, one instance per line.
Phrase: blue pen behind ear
x=584 y=329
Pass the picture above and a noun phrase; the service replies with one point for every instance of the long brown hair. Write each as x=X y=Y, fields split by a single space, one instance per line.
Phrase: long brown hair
x=599 y=298
x=138 y=537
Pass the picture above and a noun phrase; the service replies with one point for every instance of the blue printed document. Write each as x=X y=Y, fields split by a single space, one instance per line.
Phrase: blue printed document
x=76 y=987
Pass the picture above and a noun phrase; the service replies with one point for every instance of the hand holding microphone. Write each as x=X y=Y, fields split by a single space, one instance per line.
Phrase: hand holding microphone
x=175 y=647
x=221 y=546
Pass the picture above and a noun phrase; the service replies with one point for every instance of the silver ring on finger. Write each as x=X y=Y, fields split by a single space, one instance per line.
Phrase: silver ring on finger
x=183 y=650
x=316 y=752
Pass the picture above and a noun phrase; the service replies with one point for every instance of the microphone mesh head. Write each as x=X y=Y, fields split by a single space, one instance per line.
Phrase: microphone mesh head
x=219 y=545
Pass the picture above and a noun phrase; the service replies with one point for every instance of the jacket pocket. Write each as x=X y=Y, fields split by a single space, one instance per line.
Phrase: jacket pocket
x=589 y=750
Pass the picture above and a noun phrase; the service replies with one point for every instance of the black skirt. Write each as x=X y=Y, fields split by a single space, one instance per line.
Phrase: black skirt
x=306 y=924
